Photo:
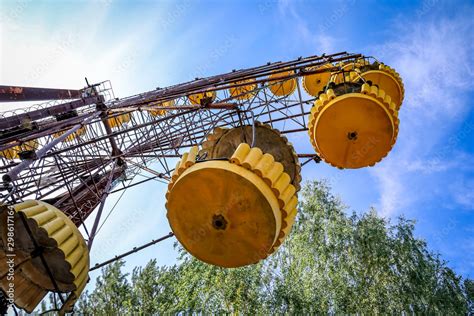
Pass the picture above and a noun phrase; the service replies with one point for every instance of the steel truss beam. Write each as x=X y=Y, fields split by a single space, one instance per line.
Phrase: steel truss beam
x=67 y=168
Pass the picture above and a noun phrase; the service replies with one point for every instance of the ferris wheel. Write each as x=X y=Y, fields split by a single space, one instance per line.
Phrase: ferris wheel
x=221 y=144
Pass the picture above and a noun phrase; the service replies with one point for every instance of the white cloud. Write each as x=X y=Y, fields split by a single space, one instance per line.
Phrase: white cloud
x=463 y=193
x=459 y=161
x=319 y=40
x=36 y=53
x=392 y=190
x=435 y=61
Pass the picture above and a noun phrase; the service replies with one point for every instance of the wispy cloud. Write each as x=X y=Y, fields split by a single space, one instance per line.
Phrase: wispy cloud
x=45 y=55
x=61 y=56
x=463 y=192
x=434 y=57
x=435 y=60
x=317 y=38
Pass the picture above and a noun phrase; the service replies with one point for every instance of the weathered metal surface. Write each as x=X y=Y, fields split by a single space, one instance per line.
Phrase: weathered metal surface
x=63 y=168
x=153 y=129
x=13 y=121
x=16 y=94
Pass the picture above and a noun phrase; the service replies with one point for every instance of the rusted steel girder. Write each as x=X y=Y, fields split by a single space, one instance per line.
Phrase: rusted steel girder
x=55 y=110
x=16 y=94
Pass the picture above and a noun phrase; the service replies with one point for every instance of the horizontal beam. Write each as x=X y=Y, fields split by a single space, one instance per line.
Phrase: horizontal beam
x=17 y=120
x=17 y=94
x=134 y=250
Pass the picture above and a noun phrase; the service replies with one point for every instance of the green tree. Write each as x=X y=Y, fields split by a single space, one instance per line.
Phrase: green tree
x=469 y=287
x=331 y=263
x=112 y=294
x=207 y=288
x=153 y=288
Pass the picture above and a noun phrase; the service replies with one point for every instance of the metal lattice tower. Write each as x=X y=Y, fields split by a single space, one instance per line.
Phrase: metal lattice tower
x=74 y=151
x=86 y=164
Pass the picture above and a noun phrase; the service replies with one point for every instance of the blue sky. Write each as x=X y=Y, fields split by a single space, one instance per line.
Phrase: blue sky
x=429 y=176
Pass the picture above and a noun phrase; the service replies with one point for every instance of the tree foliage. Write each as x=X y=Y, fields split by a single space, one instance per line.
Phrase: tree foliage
x=112 y=295
x=331 y=263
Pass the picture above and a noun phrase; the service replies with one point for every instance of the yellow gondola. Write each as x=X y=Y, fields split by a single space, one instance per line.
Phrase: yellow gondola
x=355 y=129
x=243 y=92
x=231 y=213
x=222 y=143
x=62 y=247
x=14 y=152
x=81 y=131
x=377 y=74
x=282 y=88
x=315 y=83
x=119 y=120
x=201 y=98
x=387 y=79
x=156 y=113
x=348 y=71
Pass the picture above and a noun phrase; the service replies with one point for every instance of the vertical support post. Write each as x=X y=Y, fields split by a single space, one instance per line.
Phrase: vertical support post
x=300 y=101
x=115 y=149
x=101 y=207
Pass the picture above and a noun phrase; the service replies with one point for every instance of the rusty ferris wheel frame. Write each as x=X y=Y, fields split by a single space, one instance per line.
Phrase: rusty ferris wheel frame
x=78 y=175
